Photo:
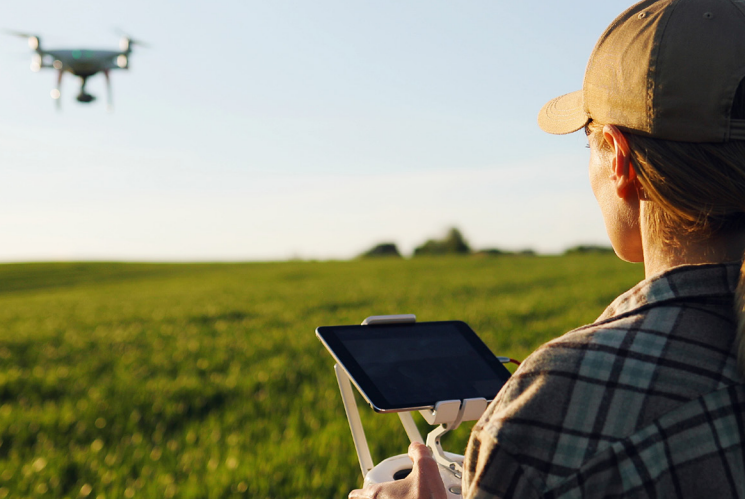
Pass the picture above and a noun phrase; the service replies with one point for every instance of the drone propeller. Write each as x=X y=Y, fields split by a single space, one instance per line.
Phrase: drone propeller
x=140 y=43
x=17 y=33
x=128 y=41
x=33 y=40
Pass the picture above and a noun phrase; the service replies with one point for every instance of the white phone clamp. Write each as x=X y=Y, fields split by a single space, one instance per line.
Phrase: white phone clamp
x=448 y=414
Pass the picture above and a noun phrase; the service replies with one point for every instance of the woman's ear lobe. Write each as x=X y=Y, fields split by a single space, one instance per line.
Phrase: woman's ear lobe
x=626 y=184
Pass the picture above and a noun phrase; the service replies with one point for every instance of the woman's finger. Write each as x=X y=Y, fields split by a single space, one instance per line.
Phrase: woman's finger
x=424 y=481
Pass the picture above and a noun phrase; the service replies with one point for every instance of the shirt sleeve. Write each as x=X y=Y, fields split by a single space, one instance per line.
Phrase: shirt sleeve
x=491 y=472
x=512 y=449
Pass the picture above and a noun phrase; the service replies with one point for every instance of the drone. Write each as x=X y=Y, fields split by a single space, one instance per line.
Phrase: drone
x=82 y=63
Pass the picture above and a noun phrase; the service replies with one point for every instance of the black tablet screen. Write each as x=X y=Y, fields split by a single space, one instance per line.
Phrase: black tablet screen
x=405 y=366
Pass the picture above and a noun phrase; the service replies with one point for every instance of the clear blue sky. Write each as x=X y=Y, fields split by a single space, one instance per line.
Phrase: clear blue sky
x=265 y=130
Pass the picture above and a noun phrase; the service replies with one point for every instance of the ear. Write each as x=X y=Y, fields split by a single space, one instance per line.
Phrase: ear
x=623 y=174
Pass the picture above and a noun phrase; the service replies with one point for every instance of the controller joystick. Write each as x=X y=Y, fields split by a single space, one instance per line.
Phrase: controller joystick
x=399 y=467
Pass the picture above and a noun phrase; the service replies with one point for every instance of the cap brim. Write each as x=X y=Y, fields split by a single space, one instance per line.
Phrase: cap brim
x=565 y=114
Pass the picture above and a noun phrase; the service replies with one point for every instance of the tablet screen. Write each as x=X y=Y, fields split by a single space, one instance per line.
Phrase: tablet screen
x=415 y=365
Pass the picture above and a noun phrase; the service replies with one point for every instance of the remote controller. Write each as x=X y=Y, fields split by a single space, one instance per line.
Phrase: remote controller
x=399 y=467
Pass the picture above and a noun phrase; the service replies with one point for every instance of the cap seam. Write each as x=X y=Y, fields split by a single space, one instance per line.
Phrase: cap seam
x=730 y=101
x=733 y=94
x=740 y=10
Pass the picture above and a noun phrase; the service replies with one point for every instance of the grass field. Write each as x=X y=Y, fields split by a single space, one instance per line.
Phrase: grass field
x=206 y=380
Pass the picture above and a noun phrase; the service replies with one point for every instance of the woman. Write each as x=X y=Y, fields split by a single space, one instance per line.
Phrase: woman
x=648 y=400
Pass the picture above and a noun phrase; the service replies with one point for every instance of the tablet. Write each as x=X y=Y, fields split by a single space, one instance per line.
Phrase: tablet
x=412 y=366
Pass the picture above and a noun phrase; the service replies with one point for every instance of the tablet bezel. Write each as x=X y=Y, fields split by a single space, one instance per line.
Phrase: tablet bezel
x=329 y=337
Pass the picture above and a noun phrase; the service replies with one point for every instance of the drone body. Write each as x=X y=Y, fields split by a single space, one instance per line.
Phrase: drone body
x=82 y=63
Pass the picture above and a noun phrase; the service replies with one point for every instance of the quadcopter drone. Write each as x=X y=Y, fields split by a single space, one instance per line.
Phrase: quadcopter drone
x=82 y=63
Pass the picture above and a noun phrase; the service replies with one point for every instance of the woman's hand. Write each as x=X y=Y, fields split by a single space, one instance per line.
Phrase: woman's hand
x=424 y=481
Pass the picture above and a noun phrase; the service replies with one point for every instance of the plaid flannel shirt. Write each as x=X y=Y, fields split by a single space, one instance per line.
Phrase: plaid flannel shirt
x=645 y=402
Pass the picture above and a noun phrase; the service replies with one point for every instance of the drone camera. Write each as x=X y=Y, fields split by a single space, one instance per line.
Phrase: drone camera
x=86 y=98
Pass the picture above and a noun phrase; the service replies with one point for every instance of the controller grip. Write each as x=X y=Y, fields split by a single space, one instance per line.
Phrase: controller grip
x=399 y=467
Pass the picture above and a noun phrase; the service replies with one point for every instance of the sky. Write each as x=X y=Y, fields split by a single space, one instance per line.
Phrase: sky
x=268 y=130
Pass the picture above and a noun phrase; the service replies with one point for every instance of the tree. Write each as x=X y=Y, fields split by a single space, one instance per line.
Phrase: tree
x=453 y=244
x=588 y=248
x=382 y=250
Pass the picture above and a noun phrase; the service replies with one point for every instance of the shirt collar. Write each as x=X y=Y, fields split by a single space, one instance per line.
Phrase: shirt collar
x=684 y=282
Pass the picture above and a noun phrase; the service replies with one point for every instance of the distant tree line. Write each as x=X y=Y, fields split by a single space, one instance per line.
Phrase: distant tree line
x=452 y=244
x=588 y=248
x=455 y=244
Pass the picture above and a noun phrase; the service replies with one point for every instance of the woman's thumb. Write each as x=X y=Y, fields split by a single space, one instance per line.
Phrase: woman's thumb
x=422 y=458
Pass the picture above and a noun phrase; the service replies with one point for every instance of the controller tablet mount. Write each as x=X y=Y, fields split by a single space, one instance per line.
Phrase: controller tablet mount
x=447 y=415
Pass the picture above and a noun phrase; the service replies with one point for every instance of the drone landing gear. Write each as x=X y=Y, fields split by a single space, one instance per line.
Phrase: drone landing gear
x=109 y=99
x=56 y=93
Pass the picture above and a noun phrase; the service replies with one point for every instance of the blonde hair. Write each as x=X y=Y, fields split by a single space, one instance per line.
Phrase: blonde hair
x=694 y=188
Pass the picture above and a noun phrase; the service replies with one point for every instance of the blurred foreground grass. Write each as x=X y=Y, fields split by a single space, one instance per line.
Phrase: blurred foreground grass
x=206 y=380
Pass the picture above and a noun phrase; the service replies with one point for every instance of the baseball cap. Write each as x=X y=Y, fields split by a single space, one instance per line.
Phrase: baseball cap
x=668 y=69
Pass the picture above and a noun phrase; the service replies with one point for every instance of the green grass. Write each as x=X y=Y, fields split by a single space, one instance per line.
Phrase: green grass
x=207 y=380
